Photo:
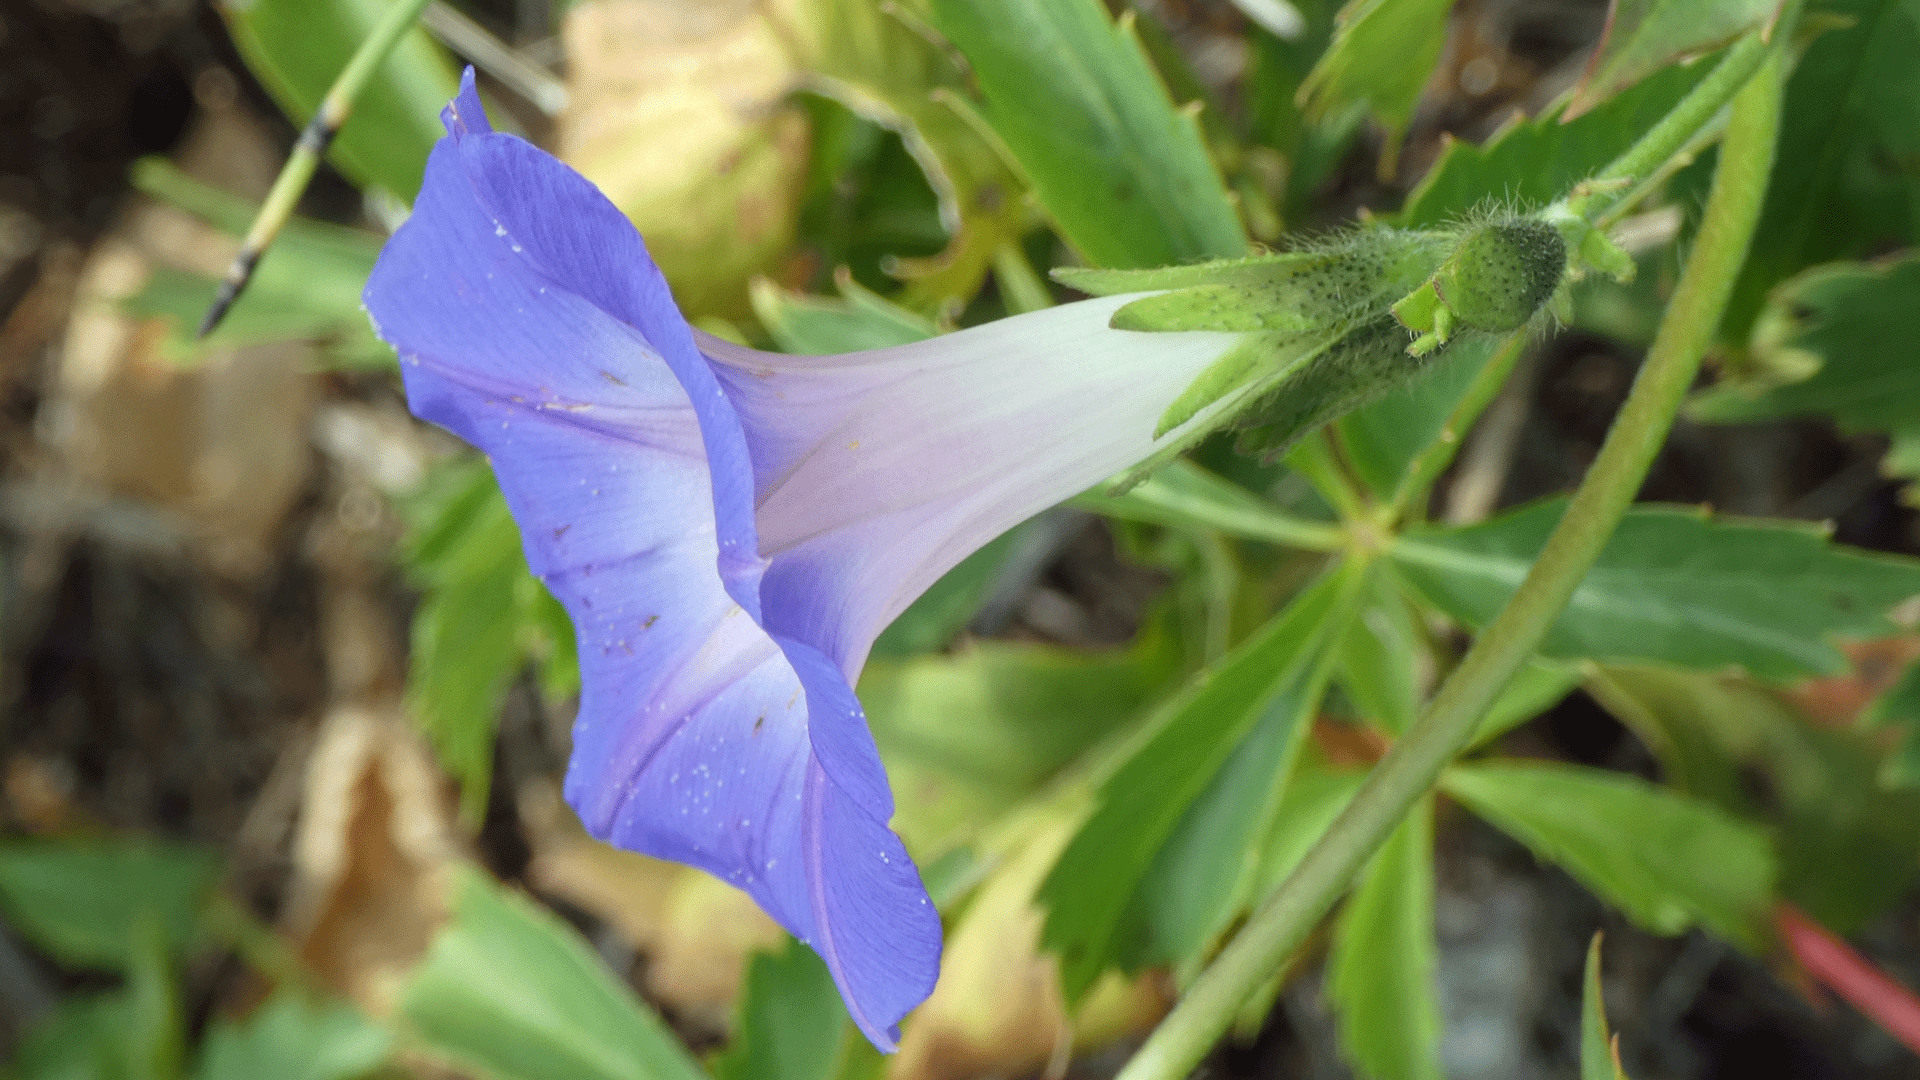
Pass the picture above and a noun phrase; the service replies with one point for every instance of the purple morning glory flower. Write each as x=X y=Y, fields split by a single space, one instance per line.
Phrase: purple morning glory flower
x=731 y=529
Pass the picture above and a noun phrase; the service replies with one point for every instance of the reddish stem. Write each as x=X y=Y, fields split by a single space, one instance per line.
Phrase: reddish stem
x=1843 y=970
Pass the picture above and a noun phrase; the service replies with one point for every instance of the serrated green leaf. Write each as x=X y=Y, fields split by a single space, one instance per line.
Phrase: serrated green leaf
x=1844 y=178
x=792 y=1024
x=1666 y=861
x=1124 y=173
x=1533 y=162
x=1849 y=328
x=82 y=900
x=1143 y=802
x=1848 y=846
x=511 y=991
x=1675 y=586
x=1599 y=1059
x=290 y=1038
x=1643 y=36
x=298 y=48
x=1382 y=54
x=1381 y=971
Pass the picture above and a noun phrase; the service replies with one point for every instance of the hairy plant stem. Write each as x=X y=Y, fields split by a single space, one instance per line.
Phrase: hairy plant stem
x=1409 y=770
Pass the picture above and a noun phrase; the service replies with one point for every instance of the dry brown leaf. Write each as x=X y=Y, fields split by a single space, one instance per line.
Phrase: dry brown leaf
x=998 y=1008
x=678 y=112
x=371 y=853
x=1875 y=666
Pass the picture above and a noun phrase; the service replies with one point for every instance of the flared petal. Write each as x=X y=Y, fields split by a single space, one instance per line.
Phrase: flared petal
x=531 y=322
x=875 y=472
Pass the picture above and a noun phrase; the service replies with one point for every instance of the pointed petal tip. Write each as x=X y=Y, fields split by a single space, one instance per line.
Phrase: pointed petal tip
x=464 y=115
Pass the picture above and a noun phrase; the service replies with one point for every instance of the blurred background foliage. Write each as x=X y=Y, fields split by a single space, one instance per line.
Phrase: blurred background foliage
x=285 y=713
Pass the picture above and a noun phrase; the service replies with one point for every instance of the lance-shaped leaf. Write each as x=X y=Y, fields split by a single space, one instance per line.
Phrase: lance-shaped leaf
x=82 y=901
x=1599 y=1049
x=1381 y=971
x=1143 y=803
x=1665 y=860
x=1535 y=161
x=1643 y=36
x=509 y=989
x=1675 y=586
x=1843 y=182
x=1123 y=172
x=289 y=1038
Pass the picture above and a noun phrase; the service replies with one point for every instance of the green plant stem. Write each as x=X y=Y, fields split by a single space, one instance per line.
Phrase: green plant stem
x=1429 y=463
x=1409 y=770
x=1646 y=157
x=307 y=151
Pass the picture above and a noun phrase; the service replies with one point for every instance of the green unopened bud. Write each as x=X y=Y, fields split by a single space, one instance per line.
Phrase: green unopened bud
x=1498 y=277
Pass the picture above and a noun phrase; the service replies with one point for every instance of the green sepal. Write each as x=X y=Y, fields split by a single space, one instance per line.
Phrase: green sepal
x=1095 y=281
x=1215 y=383
x=1216 y=307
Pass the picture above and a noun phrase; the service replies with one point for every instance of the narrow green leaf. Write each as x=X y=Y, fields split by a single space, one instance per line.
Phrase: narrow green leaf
x=1381 y=971
x=1382 y=54
x=1676 y=586
x=1666 y=861
x=1599 y=1058
x=1143 y=802
x=1187 y=496
x=154 y=1039
x=511 y=991
x=1846 y=330
x=289 y=1038
x=1316 y=793
x=1205 y=873
x=1381 y=438
x=792 y=1023
x=1533 y=162
x=1381 y=654
x=1643 y=36
x=1124 y=173
x=1843 y=183
x=298 y=47
x=819 y=326
x=1537 y=687
x=82 y=900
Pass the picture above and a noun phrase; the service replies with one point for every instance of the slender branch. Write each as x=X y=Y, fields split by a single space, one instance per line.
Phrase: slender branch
x=307 y=151
x=1415 y=762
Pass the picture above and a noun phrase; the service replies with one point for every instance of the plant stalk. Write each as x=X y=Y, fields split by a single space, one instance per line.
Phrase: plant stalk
x=1409 y=770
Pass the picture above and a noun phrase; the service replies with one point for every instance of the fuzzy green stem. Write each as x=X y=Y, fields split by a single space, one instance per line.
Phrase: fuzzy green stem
x=314 y=139
x=1409 y=770
x=1675 y=130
